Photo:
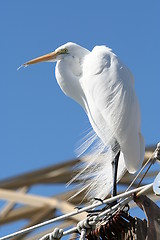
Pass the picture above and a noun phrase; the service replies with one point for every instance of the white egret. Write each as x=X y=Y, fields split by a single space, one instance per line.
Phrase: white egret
x=104 y=87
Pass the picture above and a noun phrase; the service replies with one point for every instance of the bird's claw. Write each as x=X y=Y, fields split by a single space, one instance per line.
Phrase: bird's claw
x=78 y=208
x=99 y=199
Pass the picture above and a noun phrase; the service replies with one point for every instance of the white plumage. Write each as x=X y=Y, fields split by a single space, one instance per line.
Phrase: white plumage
x=104 y=87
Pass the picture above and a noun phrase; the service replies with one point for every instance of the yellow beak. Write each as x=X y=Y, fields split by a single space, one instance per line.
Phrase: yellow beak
x=45 y=58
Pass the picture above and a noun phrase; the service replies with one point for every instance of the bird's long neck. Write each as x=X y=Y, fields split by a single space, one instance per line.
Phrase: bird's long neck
x=68 y=73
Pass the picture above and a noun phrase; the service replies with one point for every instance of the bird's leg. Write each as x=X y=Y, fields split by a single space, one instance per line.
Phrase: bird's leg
x=114 y=173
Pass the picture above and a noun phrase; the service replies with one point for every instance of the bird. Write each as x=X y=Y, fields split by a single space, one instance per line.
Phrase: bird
x=104 y=87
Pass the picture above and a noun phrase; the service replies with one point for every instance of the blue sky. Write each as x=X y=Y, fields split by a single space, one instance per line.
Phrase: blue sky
x=39 y=125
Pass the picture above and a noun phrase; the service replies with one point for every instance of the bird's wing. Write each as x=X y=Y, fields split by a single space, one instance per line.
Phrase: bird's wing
x=109 y=90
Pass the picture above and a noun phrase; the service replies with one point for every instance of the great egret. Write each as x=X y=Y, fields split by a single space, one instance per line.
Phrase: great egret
x=104 y=87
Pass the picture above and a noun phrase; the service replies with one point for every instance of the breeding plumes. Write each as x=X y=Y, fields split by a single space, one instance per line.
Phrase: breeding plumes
x=104 y=87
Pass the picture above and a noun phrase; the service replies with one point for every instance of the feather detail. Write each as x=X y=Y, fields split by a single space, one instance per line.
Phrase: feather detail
x=95 y=170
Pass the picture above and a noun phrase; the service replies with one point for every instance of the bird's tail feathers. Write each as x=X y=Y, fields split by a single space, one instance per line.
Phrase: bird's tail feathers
x=95 y=170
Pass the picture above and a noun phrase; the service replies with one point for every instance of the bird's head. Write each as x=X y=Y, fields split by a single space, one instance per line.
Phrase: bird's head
x=68 y=49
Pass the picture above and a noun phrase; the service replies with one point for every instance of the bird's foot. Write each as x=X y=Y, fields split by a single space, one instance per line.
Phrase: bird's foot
x=78 y=208
x=99 y=210
x=99 y=199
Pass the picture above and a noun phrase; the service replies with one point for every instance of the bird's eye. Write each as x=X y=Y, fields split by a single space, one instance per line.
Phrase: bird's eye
x=64 y=51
